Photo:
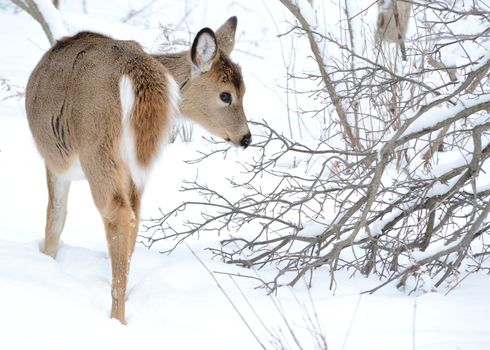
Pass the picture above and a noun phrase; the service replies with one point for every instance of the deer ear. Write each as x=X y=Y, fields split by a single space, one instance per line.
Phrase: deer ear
x=225 y=35
x=203 y=50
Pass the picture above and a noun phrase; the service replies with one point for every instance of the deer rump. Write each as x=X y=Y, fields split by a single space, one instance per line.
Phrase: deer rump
x=91 y=94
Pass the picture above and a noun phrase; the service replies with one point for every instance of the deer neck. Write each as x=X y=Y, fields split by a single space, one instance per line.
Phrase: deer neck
x=178 y=64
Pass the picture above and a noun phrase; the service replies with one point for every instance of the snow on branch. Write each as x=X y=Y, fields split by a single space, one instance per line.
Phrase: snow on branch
x=427 y=118
x=47 y=15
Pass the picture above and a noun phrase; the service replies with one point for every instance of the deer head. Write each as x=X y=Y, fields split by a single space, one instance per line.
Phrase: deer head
x=213 y=94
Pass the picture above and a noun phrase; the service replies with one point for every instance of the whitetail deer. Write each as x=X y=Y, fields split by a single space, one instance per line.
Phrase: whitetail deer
x=392 y=23
x=102 y=108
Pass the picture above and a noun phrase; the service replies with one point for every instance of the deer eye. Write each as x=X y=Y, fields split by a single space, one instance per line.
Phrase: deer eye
x=225 y=97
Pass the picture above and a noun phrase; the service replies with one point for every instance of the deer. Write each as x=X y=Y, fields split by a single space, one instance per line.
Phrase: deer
x=392 y=22
x=102 y=109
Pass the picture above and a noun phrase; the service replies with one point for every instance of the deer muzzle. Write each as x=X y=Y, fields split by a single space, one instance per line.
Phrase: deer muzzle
x=246 y=140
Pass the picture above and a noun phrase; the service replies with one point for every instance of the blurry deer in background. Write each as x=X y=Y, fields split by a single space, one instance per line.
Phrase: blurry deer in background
x=102 y=109
x=392 y=23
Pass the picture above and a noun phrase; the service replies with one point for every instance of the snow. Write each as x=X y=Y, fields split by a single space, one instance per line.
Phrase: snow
x=306 y=10
x=53 y=18
x=172 y=301
x=314 y=228
x=442 y=113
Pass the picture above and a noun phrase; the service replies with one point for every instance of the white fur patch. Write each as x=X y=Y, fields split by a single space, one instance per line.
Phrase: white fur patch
x=206 y=48
x=74 y=172
x=174 y=105
x=139 y=174
x=59 y=201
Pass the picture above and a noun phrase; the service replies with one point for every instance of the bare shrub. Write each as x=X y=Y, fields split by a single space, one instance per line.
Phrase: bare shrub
x=397 y=187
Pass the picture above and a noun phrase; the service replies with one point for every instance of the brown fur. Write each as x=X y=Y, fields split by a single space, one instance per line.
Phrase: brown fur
x=228 y=72
x=74 y=111
x=151 y=100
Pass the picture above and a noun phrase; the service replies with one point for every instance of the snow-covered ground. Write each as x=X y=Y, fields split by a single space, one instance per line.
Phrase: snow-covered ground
x=173 y=302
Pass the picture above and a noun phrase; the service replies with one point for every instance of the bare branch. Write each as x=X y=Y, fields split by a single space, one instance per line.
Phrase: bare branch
x=325 y=76
x=31 y=8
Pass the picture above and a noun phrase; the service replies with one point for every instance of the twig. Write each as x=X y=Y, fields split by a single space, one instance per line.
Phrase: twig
x=227 y=296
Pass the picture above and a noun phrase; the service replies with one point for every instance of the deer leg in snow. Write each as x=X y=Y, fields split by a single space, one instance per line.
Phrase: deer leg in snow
x=58 y=189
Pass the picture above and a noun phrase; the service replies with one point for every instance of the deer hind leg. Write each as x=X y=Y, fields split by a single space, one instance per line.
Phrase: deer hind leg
x=120 y=224
x=121 y=220
x=112 y=198
x=135 y=202
x=58 y=189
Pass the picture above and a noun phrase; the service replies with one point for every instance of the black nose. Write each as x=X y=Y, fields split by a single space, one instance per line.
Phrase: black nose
x=246 y=141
